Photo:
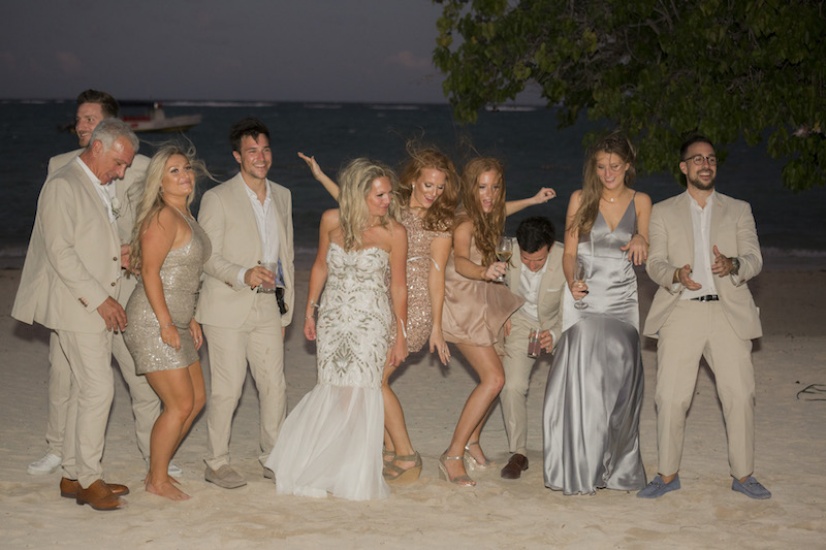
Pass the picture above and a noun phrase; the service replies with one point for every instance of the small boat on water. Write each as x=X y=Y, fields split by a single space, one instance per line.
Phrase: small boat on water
x=154 y=119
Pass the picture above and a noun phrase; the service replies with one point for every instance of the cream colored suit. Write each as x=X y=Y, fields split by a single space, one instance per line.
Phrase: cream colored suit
x=72 y=266
x=240 y=324
x=721 y=331
x=145 y=403
x=518 y=366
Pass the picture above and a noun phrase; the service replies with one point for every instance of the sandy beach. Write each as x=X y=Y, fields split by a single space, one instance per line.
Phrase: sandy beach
x=790 y=441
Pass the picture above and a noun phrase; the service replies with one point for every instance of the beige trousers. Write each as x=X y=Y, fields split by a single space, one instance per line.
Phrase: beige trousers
x=90 y=398
x=514 y=395
x=145 y=403
x=258 y=341
x=695 y=330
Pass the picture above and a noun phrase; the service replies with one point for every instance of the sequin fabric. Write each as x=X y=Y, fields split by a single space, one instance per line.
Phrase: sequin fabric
x=419 y=262
x=181 y=279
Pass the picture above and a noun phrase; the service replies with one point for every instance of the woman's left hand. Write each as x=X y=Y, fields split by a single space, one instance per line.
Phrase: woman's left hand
x=197 y=333
x=637 y=249
x=545 y=194
x=398 y=353
x=438 y=345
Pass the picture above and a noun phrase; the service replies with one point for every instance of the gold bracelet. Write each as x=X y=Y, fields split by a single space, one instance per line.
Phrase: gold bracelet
x=315 y=305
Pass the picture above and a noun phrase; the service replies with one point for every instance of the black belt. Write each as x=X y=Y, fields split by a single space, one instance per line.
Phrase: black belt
x=706 y=298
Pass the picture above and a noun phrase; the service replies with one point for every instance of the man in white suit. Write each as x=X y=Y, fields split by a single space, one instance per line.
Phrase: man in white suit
x=538 y=278
x=92 y=107
x=249 y=221
x=703 y=249
x=70 y=283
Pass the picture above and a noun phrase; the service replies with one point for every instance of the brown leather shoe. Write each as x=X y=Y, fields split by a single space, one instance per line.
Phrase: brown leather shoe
x=70 y=487
x=99 y=496
x=515 y=466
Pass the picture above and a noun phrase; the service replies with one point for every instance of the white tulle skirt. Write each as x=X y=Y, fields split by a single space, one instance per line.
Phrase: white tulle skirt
x=331 y=444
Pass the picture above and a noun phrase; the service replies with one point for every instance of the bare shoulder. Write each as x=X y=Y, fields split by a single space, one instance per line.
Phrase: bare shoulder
x=331 y=217
x=642 y=200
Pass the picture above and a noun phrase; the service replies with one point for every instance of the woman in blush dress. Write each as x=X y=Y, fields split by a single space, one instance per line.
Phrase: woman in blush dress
x=331 y=441
x=594 y=391
x=476 y=306
x=168 y=251
x=428 y=191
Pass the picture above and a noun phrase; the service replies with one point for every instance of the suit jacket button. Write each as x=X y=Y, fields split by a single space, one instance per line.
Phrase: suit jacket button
x=115 y=259
x=113 y=284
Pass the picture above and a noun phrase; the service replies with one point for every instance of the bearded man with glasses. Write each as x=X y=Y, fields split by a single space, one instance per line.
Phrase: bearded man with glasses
x=703 y=249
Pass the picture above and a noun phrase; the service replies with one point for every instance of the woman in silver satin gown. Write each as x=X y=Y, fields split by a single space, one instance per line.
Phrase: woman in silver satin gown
x=169 y=249
x=594 y=391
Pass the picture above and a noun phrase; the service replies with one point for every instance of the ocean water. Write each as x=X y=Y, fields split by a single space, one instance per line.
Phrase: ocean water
x=535 y=152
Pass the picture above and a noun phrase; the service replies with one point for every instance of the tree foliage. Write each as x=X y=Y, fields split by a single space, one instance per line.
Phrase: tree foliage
x=657 y=68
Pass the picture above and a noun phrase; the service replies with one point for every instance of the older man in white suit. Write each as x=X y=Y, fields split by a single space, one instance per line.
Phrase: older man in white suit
x=70 y=283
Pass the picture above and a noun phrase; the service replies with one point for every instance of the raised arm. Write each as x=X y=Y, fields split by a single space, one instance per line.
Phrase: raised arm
x=544 y=195
x=320 y=176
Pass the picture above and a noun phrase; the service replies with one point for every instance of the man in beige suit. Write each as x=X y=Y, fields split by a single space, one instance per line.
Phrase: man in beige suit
x=249 y=221
x=92 y=107
x=70 y=283
x=537 y=276
x=703 y=250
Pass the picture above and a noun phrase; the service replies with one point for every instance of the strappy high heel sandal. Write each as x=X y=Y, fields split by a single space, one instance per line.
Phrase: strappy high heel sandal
x=472 y=461
x=461 y=480
x=396 y=475
x=386 y=459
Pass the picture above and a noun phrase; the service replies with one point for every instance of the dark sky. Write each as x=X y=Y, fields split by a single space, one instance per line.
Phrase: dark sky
x=272 y=50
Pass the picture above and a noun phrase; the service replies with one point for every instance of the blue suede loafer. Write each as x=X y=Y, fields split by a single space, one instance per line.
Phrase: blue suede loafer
x=751 y=488
x=657 y=487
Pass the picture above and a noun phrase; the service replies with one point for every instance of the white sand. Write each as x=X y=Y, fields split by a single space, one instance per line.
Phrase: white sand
x=791 y=446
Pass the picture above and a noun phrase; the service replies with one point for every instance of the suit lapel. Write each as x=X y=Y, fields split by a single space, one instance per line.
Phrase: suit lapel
x=246 y=213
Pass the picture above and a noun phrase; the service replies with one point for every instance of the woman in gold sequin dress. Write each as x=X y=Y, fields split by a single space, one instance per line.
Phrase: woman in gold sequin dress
x=168 y=251
x=428 y=192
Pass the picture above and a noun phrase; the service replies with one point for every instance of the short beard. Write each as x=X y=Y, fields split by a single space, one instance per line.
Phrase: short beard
x=696 y=183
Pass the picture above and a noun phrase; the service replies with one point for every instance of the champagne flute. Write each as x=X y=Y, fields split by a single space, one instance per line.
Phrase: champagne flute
x=504 y=250
x=579 y=277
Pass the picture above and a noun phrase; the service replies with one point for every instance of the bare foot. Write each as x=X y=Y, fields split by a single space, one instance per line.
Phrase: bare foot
x=167 y=490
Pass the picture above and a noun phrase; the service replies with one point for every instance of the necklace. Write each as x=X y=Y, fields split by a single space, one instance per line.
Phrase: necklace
x=611 y=199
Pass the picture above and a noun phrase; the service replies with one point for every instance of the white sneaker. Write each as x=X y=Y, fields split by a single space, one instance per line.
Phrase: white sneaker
x=174 y=470
x=46 y=465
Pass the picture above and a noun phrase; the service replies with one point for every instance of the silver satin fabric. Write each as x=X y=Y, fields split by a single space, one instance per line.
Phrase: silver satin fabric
x=594 y=392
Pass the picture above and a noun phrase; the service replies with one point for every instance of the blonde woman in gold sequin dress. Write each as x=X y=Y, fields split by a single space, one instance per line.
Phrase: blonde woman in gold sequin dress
x=168 y=251
x=428 y=192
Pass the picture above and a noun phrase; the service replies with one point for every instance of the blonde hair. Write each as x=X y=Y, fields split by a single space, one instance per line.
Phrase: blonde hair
x=356 y=181
x=487 y=227
x=152 y=200
x=615 y=143
x=439 y=217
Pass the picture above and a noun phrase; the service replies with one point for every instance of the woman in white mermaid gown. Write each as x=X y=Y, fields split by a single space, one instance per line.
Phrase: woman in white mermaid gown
x=331 y=442
x=594 y=391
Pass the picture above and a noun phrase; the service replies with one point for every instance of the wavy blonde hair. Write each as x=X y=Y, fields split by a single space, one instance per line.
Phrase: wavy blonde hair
x=439 y=217
x=356 y=181
x=152 y=199
x=487 y=228
x=615 y=143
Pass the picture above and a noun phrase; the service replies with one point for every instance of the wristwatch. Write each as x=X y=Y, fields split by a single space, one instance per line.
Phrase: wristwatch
x=735 y=265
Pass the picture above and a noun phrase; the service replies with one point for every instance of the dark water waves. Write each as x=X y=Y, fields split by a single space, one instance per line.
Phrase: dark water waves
x=791 y=226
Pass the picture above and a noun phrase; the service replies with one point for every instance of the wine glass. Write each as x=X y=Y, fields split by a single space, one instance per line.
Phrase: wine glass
x=580 y=275
x=504 y=250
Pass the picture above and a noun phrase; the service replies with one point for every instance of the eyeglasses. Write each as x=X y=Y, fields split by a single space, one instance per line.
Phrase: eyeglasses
x=698 y=160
